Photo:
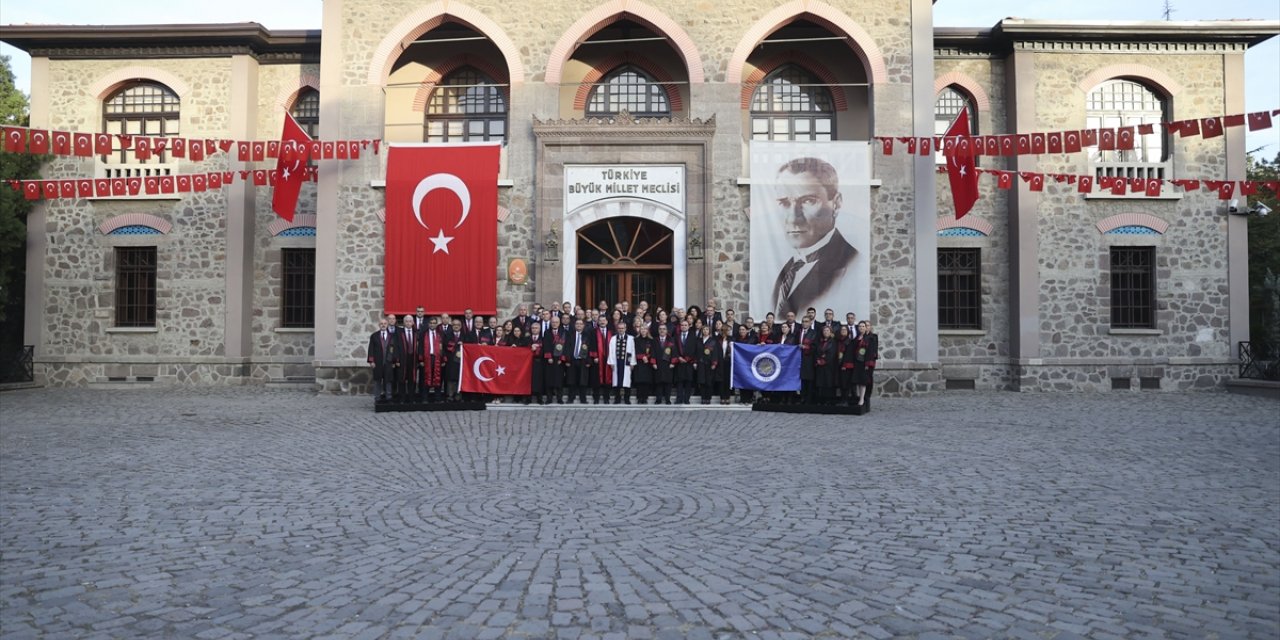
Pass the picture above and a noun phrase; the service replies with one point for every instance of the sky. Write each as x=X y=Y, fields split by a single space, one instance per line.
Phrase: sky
x=1262 y=63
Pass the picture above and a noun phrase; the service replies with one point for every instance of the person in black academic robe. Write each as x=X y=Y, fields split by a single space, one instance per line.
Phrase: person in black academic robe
x=826 y=366
x=866 y=352
x=724 y=364
x=642 y=374
x=556 y=356
x=808 y=354
x=708 y=362
x=433 y=357
x=688 y=347
x=601 y=385
x=537 y=371
x=579 y=348
x=745 y=396
x=664 y=351
x=410 y=358
x=845 y=349
x=453 y=359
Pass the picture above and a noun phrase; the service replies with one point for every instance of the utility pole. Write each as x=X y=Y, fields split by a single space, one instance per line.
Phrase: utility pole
x=1168 y=9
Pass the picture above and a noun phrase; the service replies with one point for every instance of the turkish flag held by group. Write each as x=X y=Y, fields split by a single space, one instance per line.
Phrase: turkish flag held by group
x=504 y=371
x=442 y=228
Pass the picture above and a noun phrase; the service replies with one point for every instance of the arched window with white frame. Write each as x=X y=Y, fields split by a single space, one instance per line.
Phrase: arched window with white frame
x=143 y=108
x=1120 y=103
x=946 y=108
x=467 y=106
x=792 y=104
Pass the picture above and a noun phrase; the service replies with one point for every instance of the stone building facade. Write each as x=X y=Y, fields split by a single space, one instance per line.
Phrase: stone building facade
x=1041 y=316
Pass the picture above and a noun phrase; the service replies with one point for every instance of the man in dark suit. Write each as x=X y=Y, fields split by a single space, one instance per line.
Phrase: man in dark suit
x=829 y=321
x=381 y=346
x=522 y=319
x=809 y=200
x=409 y=365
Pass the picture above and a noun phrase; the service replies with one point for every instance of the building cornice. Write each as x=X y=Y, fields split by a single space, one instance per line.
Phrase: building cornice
x=625 y=126
x=164 y=41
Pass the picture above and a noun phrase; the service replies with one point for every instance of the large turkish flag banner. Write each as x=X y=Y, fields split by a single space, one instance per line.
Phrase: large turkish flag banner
x=504 y=371
x=442 y=228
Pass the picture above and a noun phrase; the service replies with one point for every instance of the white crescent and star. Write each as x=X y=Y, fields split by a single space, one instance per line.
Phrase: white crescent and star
x=499 y=370
x=441 y=181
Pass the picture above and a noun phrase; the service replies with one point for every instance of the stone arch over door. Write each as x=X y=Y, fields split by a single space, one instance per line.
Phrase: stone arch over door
x=431 y=16
x=634 y=208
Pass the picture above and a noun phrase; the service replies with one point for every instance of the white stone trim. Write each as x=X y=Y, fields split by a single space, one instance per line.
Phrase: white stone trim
x=634 y=208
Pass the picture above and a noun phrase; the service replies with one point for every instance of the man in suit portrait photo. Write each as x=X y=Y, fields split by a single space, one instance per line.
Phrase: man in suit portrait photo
x=806 y=203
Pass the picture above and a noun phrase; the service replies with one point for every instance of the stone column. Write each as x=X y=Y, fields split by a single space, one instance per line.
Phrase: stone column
x=241 y=212
x=1237 y=226
x=33 y=319
x=1024 y=225
x=925 y=198
x=331 y=90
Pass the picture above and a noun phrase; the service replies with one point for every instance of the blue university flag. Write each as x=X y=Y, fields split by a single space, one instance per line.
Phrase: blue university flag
x=766 y=367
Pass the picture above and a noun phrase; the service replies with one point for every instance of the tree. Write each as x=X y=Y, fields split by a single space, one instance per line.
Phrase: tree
x=1264 y=261
x=13 y=209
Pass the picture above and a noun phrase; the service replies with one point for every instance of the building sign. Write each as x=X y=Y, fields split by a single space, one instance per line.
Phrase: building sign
x=585 y=184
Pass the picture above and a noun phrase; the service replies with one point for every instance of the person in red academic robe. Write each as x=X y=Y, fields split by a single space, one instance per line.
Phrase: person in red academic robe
x=434 y=357
x=601 y=372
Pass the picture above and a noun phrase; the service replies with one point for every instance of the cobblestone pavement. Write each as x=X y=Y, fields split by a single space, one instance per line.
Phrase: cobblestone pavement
x=236 y=513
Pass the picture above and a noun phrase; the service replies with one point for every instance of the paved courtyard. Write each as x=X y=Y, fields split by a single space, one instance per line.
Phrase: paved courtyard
x=236 y=513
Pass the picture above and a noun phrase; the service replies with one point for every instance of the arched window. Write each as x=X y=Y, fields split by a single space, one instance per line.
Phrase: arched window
x=791 y=104
x=306 y=111
x=631 y=89
x=467 y=106
x=945 y=109
x=141 y=109
x=1125 y=103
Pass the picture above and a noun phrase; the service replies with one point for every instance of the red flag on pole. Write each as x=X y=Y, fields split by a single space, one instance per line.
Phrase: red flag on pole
x=504 y=371
x=442 y=228
x=284 y=198
x=961 y=169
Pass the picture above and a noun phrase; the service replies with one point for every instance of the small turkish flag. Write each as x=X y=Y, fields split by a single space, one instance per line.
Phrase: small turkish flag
x=84 y=188
x=1054 y=142
x=1190 y=185
x=1248 y=188
x=1085 y=184
x=179 y=148
x=1038 y=144
x=911 y=145
x=244 y=151
x=1034 y=179
x=229 y=177
x=496 y=370
x=1259 y=120
x=50 y=189
x=1024 y=144
x=273 y=149
x=215 y=180
x=166 y=184
x=62 y=143
x=126 y=140
x=353 y=150
x=965 y=147
x=1118 y=186
x=1273 y=185
x=199 y=182
x=102 y=143
x=1189 y=128
x=119 y=187
x=1137 y=185
x=153 y=186
x=1226 y=190
x=259 y=151
x=259 y=177
x=991 y=145
x=184 y=184
x=142 y=149
x=327 y=152
x=135 y=186
x=1154 y=185
x=1008 y=145
x=1071 y=142
x=886 y=146
x=924 y=146
x=1211 y=127
x=158 y=145
x=1106 y=139
x=948 y=145
x=31 y=189
x=39 y=142
x=1124 y=139
x=1146 y=129
x=15 y=139
x=83 y=144
x=1233 y=120
x=316 y=150
x=223 y=144
x=102 y=188
x=1089 y=138
x=66 y=188
x=197 y=151
x=340 y=150
x=1004 y=179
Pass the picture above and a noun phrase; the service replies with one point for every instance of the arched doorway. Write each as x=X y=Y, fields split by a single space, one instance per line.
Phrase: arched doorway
x=625 y=259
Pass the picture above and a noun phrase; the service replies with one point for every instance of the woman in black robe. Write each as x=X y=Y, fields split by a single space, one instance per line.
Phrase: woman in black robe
x=865 y=355
x=536 y=372
x=643 y=373
x=825 y=367
x=746 y=396
x=708 y=362
x=453 y=360
x=554 y=355
x=724 y=364
x=664 y=349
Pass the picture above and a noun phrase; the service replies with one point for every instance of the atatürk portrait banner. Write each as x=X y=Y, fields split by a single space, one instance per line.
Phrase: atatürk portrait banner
x=810 y=228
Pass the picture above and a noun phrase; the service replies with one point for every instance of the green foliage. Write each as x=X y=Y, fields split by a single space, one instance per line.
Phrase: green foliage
x=1264 y=259
x=13 y=207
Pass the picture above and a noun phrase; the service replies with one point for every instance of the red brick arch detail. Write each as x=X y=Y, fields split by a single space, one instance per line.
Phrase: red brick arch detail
x=836 y=21
x=1147 y=220
x=287 y=96
x=135 y=219
x=487 y=67
x=967 y=85
x=1153 y=78
x=970 y=222
x=771 y=64
x=428 y=17
x=280 y=225
x=612 y=11
x=602 y=68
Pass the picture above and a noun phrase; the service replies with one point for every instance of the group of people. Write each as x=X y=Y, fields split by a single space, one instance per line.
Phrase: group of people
x=616 y=354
